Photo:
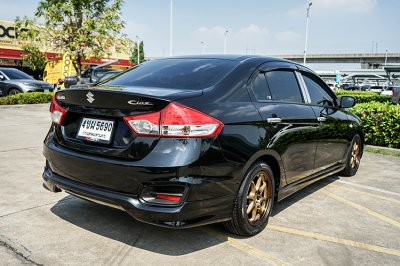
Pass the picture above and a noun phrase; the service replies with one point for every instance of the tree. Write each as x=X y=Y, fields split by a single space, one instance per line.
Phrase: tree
x=81 y=28
x=33 y=57
x=134 y=52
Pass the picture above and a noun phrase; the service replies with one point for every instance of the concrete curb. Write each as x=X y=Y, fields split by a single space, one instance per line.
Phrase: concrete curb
x=17 y=248
x=11 y=106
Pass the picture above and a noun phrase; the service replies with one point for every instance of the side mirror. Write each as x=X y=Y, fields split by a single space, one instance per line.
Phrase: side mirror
x=347 y=102
x=69 y=81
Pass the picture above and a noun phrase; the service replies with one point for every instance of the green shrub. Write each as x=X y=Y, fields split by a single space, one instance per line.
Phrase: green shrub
x=381 y=123
x=27 y=98
x=364 y=96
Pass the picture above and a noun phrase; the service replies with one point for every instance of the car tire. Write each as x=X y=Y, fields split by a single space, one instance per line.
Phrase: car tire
x=254 y=201
x=353 y=157
x=13 y=91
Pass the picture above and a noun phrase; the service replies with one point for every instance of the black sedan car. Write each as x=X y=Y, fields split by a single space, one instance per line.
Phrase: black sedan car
x=14 y=81
x=187 y=141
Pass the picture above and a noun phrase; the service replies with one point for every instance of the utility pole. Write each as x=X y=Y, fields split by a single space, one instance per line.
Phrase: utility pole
x=138 y=50
x=226 y=33
x=385 y=57
x=171 y=49
x=203 y=45
x=305 y=43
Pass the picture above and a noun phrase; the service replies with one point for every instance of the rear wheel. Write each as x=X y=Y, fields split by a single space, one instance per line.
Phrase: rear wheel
x=353 y=157
x=13 y=91
x=254 y=201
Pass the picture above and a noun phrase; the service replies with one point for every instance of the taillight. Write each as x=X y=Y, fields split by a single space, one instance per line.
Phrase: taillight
x=175 y=120
x=57 y=113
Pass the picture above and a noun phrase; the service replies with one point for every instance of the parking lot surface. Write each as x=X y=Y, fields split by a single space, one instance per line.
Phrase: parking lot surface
x=336 y=221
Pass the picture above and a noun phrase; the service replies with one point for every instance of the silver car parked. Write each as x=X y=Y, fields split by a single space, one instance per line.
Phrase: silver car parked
x=13 y=81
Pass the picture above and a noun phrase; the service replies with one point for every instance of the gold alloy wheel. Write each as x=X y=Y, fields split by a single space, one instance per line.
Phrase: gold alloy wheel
x=355 y=155
x=258 y=197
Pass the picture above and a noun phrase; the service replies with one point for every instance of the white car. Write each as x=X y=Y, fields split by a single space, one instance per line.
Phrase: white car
x=387 y=92
x=331 y=85
x=377 y=89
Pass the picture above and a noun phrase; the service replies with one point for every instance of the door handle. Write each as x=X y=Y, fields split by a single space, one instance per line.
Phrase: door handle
x=274 y=120
x=321 y=119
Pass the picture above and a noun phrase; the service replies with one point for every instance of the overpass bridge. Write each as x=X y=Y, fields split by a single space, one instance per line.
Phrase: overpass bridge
x=383 y=76
x=367 y=60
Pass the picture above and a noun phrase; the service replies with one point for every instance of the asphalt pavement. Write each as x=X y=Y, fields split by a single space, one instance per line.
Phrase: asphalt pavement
x=335 y=221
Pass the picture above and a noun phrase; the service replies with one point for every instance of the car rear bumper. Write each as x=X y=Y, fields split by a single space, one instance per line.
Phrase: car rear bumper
x=208 y=196
x=186 y=214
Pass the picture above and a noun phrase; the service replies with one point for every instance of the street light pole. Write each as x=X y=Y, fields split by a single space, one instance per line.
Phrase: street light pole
x=385 y=57
x=171 y=49
x=226 y=33
x=138 y=51
x=203 y=45
x=305 y=43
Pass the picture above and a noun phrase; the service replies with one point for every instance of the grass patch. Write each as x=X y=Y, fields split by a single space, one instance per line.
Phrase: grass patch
x=382 y=151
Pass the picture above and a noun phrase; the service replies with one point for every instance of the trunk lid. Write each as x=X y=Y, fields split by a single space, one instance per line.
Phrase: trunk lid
x=111 y=105
x=123 y=98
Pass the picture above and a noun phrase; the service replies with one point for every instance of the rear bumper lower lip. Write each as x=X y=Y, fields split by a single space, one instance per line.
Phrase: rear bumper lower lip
x=188 y=214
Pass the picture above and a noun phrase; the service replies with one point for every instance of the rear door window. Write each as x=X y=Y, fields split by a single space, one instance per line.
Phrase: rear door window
x=284 y=86
x=260 y=88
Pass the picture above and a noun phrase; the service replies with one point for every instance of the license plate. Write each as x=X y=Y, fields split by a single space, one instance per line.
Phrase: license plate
x=46 y=90
x=96 y=130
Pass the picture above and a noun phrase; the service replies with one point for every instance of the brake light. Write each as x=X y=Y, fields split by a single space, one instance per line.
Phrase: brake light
x=57 y=113
x=175 y=120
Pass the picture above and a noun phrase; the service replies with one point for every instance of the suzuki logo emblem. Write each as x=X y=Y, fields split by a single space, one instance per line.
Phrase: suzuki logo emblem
x=89 y=96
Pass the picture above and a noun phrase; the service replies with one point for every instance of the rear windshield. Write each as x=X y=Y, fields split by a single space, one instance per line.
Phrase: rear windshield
x=176 y=73
x=100 y=72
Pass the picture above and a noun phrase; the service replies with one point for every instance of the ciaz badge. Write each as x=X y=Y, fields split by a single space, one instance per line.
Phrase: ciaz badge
x=135 y=102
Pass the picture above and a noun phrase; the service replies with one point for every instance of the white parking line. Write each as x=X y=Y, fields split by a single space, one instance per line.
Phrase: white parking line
x=334 y=239
x=367 y=187
x=368 y=194
x=361 y=208
x=242 y=246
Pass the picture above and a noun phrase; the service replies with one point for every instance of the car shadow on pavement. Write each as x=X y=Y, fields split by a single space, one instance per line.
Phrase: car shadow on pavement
x=299 y=195
x=120 y=226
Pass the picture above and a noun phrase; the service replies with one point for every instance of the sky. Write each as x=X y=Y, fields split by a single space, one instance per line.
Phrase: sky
x=264 y=27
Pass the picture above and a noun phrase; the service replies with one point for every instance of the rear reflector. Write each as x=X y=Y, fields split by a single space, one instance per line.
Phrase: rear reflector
x=168 y=197
x=175 y=120
x=57 y=113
